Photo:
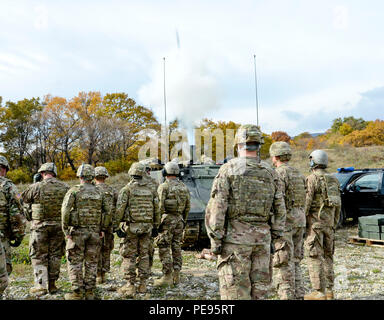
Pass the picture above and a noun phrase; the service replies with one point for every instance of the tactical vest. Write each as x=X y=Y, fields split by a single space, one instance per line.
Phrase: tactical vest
x=4 y=222
x=140 y=204
x=296 y=189
x=176 y=200
x=252 y=194
x=48 y=205
x=88 y=206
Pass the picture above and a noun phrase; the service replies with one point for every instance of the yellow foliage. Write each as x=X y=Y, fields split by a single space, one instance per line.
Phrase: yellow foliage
x=345 y=129
x=19 y=175
x=66 y=174
x=117 y=166
x=373 y=134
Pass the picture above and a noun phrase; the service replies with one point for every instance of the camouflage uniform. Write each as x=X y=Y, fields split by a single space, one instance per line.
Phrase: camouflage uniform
x=85 y=213
x=137 y=211
x=322 y=209
x=174 y=204
x=245 y=211
x=289 y=275
x=154 y=185
x=104 y=264
x=12 y=225
x=12 y=221
x=290 y=282
x=47 y=243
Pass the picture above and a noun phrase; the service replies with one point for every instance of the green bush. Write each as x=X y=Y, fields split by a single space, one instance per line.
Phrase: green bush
x=20 y=175
x=117 y=166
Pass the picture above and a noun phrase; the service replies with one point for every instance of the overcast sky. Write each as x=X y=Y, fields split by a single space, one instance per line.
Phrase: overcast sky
x=316 y=60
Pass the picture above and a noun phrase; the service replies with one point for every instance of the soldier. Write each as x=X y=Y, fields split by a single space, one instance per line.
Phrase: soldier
x=287 y=260
x=174 y=204
x=154 y=185
x=322 y=210
x=137 y=211
x=85 y=216
x=245 y=211
x=47 y=243
x=12 y=223
x=101 y=174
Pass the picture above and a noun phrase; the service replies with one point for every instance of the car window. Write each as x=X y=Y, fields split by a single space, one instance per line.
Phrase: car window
x=369 y=182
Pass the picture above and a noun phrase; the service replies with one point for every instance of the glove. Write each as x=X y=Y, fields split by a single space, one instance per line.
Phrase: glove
x=155 y=232
x=16 y=242
x=120 y=233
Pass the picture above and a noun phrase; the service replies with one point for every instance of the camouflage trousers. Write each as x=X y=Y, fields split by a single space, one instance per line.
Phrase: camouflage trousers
x=319 y=248
x=3 y=271
x=46 y=248
x=243 y=271
x=8 y=253
x=169 y=243
x=82 y=257
x=107 y=245
x=288 y=277
x=135 y=252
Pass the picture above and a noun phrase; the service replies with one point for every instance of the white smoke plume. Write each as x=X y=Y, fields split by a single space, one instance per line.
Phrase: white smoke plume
x=191 y=88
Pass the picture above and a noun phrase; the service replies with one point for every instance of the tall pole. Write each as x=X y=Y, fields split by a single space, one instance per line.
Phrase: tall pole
x=257 y=101
x=165 y=121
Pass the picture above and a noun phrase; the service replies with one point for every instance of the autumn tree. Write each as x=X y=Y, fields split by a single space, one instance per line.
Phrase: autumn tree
x=280 y=136
x=373 y=134
x=18 y=126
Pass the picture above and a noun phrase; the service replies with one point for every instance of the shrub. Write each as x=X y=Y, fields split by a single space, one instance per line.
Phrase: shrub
x=20 y=175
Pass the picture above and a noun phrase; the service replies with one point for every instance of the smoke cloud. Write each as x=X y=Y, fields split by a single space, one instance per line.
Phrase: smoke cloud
x=191 y=88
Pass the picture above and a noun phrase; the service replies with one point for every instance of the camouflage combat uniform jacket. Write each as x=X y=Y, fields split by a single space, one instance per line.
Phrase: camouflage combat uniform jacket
x=322 y=209
x=46 y=244
x=174 y=204
x=245 y=211
x=287 y=260
x=85 y=213
x=137 y=211
x=108 y=240
x=12 y=219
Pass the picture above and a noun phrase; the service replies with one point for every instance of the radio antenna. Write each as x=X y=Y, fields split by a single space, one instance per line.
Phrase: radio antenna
x=257 y=100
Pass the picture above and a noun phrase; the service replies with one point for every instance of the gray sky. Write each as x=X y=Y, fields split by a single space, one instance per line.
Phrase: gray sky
x=317 y=60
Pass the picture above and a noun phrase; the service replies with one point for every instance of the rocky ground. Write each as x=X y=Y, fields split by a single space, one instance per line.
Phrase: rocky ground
x=358 y=269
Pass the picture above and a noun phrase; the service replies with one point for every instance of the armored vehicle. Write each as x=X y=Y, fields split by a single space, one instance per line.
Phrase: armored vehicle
x=198 y=178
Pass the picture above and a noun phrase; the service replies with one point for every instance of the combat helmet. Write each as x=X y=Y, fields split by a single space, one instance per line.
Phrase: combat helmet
x=4 y=162
x=101 y=171
x=171 y=169
x=86 y=171
x=250 y=135
x=318 y=158
x=281 y=149
x=48 y=166
x=137 y=169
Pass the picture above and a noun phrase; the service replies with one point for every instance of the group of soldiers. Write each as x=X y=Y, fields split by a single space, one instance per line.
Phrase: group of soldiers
x=80 y=222
x=262 y=221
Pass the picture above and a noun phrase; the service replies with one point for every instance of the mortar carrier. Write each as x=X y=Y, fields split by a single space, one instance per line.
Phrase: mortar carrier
x=198 y=178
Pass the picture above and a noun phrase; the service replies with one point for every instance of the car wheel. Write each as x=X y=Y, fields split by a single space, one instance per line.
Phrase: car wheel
x=342 y=218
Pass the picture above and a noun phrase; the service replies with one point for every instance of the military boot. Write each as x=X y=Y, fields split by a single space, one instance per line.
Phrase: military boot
x=165 y=281
x=315 y=295
x=176 y=277
x=38 y=291
x=52 y=289
x=89 y=294
x=128 y=290
x=142 y=287
x=329 y=294
x=74 y=295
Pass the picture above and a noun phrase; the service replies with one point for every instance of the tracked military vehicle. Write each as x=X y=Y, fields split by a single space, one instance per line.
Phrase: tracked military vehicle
x=198 y=178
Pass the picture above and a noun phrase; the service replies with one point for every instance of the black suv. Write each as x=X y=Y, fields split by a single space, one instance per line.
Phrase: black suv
x=362 y=192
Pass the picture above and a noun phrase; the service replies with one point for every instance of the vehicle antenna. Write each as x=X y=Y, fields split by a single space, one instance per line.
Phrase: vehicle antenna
x=257 y=100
